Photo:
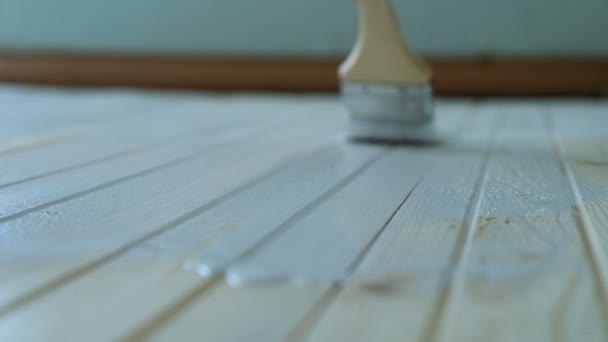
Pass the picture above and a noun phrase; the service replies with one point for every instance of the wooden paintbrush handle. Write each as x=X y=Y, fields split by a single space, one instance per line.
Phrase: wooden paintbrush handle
x=380 y=54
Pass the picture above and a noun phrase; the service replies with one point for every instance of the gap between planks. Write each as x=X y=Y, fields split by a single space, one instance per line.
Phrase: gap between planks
x=65 y=278
x=325 y=296
x=586 y=229
x=235 y=280
x=317 y=311
x=133 y=150
x=319 y=308
x=150 y=328
x=312 y=318
x=187 y=154
x=441 y=325
x=195 y=289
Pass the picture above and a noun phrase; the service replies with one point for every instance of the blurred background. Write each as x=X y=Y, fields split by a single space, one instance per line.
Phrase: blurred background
x=311 y=27
x=494 y=38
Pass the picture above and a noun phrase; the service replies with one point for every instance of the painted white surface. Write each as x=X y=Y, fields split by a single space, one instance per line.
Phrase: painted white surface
x=398 y=283
x=461 y=259
x=257 y=216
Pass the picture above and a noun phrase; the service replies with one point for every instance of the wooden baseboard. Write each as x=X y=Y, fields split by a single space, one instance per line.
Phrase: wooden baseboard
x=453 y=76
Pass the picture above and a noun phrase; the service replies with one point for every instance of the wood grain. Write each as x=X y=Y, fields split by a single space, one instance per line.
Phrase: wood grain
x=521 y=76
x=501 y=235
x=86 y=147
x=229 y=248
x=266 y=208
x=527 y=258
x=582 y=146
x=359 y=211
x=164 y=279
x=22 y=198
x=398 y=282
x=164 y=288
x=141 y=223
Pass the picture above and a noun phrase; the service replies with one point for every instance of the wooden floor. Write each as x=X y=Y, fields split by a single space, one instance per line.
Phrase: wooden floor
x=166 y=216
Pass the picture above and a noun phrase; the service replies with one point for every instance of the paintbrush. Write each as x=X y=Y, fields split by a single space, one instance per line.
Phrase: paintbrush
x=384 y=85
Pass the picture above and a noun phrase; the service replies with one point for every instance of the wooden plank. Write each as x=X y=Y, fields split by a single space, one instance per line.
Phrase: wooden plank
x=526 y=266
x=393 y=294
x=148 y=278
x=305 y=303
x=31 y=114
x=298 y=300
x=267 y=313
x=101 y=143
x=531 y=267
x=286 y=195
x=42 y=118
x=29 y=142
x=227 y=250
x=523 y=76
x=582 y=145
x=57 y=248
x=165 y=285
x=495 y=301
x=23 y=198
x=323 y=245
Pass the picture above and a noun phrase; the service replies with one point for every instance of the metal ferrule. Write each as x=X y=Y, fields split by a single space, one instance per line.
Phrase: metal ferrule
x=407 y=103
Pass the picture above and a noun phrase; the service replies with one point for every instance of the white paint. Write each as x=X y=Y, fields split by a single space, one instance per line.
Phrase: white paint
x=397 y=283
x=323 y=245
x=181 y=241
x=254 y=215
x=28 y=196
x=356 y=207
x=76 y=248
x=526 y=255
x=526 y=271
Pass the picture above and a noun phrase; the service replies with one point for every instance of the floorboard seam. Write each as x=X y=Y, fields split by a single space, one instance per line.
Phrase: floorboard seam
x=69 y=276
x=113 y=156
x=166 y=164
x=306 y=210
x=586 y=229
x=307 y=325
x=153 y=325
x=442 y=323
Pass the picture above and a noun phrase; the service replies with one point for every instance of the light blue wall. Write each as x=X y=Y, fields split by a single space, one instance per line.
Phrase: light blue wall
x=310 y=27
